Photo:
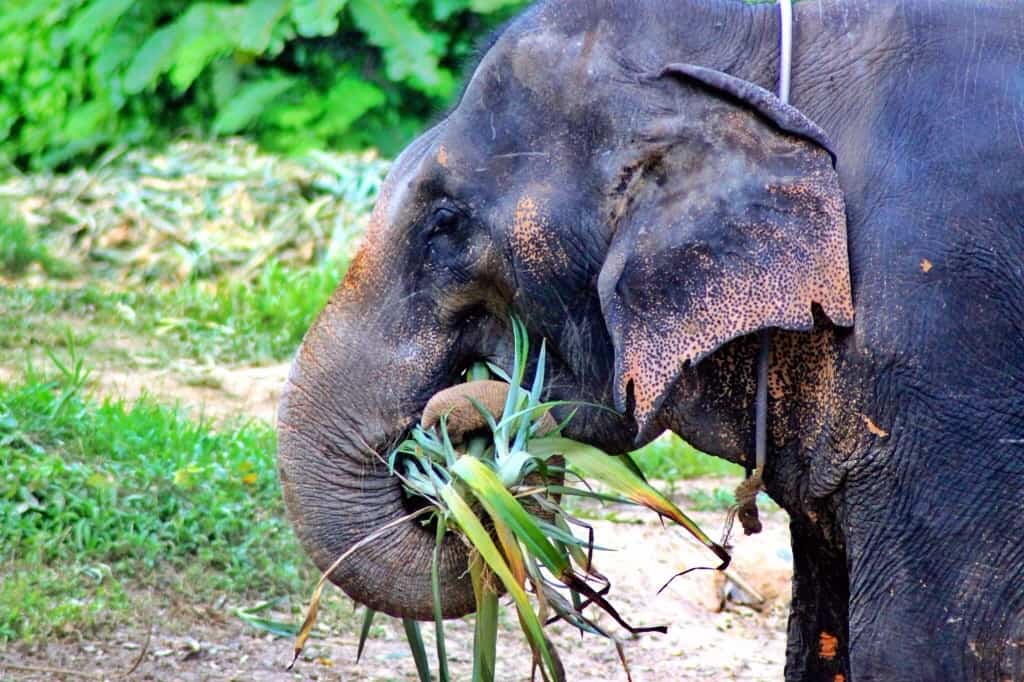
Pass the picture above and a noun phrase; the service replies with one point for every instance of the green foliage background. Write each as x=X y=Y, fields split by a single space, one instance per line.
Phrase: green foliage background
x=77 y=76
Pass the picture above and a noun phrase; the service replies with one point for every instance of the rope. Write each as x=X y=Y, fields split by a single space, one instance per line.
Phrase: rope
x=746 y=492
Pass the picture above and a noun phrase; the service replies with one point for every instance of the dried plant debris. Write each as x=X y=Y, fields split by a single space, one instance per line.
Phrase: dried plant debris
x=198 y=210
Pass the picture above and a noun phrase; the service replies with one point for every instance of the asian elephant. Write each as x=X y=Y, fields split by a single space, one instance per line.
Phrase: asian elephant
x=619 y=175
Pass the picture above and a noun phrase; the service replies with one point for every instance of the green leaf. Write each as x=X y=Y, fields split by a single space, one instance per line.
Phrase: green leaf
x=478 y=536
x=419 y=652
x=97 y=16
x=86 y=119
x=249 y=616
x=207 y=31
x=249 y=103
x=443 y=9
x=152 y=59
x=349 y=98
x=316 y=17
x=408 y=50
x=261 y=16
x=116 y=51
x=485 y=633
x=622 y=477
x=364 y=631
x=488 y=6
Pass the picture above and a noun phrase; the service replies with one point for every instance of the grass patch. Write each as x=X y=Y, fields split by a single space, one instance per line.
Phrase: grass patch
x=197 y=210
x=93 y=494
x=41 y=318
x=212 y=320
x=17 y=249
x=246 y=321
x=669 y=458
x=39 y=601
x=20 y=248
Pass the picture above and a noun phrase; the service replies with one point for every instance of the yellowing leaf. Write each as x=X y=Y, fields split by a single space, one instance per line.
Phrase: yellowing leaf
x=620 y=475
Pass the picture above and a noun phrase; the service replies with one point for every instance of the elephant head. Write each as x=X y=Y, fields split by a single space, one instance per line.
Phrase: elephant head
x=637 y=212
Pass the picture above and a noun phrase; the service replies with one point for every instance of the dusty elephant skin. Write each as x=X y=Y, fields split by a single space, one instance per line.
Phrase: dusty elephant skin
x=619 y=175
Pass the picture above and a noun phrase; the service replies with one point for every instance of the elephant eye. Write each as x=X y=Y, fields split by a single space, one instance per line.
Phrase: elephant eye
x=443 y=221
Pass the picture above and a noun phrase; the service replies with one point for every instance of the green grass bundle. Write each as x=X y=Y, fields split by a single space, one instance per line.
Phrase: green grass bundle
x=503 y=494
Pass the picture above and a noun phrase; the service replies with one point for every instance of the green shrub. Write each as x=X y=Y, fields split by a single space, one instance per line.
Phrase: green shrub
x=77 y=76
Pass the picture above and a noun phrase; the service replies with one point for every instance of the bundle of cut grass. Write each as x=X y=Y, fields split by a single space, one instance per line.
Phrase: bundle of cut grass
x=504 y=495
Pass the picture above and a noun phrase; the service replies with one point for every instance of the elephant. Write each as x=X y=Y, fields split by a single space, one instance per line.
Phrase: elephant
x=621 y=177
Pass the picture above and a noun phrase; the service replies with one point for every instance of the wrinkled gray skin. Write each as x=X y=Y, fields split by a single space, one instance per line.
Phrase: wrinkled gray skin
x=897 y=445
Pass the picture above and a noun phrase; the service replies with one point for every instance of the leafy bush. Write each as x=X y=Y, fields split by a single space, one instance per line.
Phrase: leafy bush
x=77 y=76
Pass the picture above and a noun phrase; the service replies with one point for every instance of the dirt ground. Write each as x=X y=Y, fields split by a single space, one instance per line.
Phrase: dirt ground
x=711 y=635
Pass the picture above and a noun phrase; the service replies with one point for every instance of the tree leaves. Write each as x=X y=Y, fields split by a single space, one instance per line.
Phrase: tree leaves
x=408 y=50
x=206 y=33
x=261 y=16
x=152 y=59
x=348 y=99
x=316 y=17
x=371 y=71
x=249 y=102
x=96 y=17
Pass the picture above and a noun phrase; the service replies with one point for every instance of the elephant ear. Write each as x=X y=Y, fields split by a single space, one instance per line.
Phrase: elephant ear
x=728 y=218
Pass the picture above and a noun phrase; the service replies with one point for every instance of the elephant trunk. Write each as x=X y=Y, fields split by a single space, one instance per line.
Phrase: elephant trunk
x=353 y=391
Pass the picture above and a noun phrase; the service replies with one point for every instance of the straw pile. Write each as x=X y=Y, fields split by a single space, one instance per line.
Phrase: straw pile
x=198 y=210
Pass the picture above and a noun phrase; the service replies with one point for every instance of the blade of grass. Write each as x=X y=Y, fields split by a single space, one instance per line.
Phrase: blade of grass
x=485 y=635
x=477 y=372
x=504 y=508
x=532 y=398
x=419 y=652
x=578 y=492
x=435 y=586
x=364 y=631
x=478 y=536
x=275 y=627
x=510 y=549
x=618 y=475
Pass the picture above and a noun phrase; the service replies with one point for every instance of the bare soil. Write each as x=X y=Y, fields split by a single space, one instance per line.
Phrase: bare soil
x=711 y=635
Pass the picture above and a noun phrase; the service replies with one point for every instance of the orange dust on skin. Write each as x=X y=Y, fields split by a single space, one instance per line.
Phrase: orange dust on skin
x=369 y=260
x=804 y=262
x=828 y=645
x=926 y=265
x=873 y=427
x=804 y=380
x=535 y=246
x=442 y=157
